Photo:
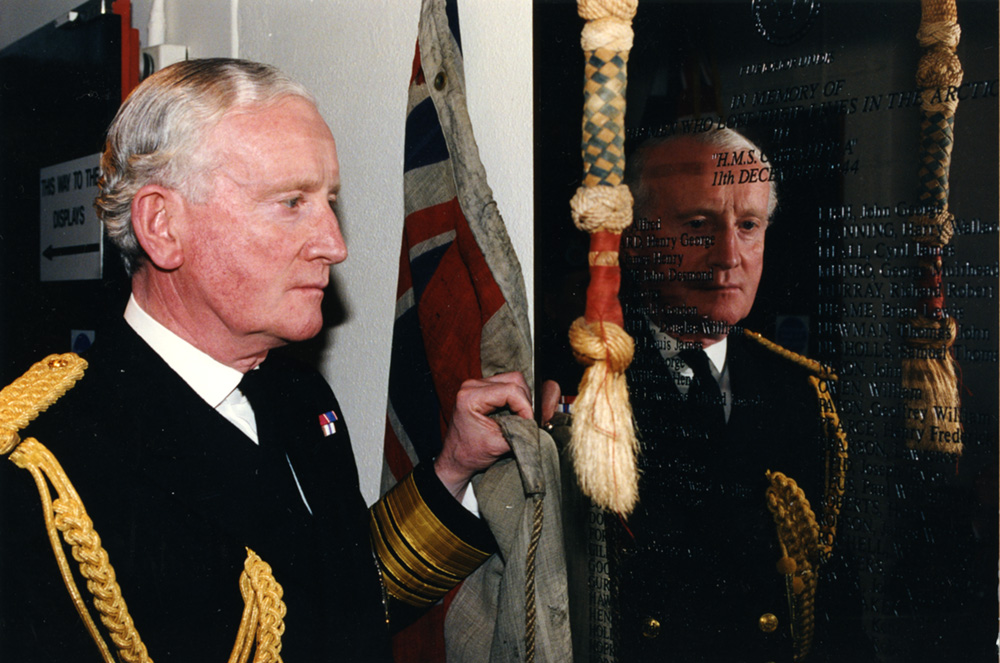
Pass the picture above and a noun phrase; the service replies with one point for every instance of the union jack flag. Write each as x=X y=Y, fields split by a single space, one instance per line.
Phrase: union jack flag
x=460 y=300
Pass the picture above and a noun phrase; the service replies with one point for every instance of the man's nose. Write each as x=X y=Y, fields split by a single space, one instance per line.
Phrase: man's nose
x=725 y=253
x=327 y=243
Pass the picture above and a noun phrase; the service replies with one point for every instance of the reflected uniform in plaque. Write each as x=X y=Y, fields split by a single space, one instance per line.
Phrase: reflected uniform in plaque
x=742 y=461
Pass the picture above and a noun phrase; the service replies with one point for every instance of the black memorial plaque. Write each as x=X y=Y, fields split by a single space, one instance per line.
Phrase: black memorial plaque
x=829 y=93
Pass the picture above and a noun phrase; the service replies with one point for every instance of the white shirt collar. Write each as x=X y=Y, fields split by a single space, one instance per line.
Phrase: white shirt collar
x=210 y=379
x=717 y=353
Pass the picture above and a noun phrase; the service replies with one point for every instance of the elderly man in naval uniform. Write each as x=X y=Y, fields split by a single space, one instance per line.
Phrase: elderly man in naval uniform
x=192 y=438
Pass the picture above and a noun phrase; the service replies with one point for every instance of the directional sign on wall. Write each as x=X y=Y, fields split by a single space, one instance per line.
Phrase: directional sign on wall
x=70 y=233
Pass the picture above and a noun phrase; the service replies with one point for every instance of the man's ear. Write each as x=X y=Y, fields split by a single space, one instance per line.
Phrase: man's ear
x=156 y=216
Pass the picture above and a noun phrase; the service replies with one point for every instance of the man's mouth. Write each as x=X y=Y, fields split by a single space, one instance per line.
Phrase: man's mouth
x=311 y=286
x=717 y=287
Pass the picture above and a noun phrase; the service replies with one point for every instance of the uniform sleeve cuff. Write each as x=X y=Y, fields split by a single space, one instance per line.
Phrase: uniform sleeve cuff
x=425 y=540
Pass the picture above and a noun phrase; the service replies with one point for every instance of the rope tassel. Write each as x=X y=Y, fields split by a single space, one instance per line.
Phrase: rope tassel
x=604 y=446
x=929 y=373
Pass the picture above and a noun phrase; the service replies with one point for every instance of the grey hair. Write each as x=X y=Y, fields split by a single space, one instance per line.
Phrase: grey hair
x=724 y=139
x=157 y=133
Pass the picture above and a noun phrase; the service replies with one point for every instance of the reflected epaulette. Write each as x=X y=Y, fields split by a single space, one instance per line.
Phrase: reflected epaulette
x=806 y=541
x=810 y=365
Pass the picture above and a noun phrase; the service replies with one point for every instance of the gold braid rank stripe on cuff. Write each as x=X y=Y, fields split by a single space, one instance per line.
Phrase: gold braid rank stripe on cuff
x=421 y=558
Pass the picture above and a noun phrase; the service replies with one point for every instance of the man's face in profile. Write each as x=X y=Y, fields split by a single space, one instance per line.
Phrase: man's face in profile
x=699 y=244
x=259 y=249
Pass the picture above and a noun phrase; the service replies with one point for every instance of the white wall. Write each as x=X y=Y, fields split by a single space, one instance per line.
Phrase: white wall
x=355 y=55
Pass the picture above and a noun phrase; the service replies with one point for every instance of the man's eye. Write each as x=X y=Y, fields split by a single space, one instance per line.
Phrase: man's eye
x=696 y=224
x=292 y=203
x=749 y=224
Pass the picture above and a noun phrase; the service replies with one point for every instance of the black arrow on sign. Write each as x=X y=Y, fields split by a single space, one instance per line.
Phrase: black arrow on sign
x=51 y=253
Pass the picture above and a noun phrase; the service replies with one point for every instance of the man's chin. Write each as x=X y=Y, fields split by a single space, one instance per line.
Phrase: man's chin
x=304 y=332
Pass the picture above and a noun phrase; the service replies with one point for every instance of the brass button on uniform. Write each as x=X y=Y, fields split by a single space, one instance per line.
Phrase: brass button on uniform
x=650 y=628
x=768 y=623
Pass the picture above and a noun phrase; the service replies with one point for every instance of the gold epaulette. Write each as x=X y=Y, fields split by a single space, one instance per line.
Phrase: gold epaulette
x=421 y=559
x=20 y=403
x=810 y=365
x=31 y=394
x=807 y=542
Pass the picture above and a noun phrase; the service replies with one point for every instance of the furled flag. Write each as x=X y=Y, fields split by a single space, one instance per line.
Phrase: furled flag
x=461 y=313
x=461 y=309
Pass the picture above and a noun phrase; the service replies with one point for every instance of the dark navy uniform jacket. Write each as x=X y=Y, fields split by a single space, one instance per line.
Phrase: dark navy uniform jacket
x=177 y=494
x=693 y=570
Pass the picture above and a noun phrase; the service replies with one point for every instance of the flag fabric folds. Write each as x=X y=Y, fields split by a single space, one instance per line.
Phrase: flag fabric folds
x=461 y=313
x=460 y=286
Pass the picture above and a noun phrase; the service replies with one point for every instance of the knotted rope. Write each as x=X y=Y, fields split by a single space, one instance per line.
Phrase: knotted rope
x=604 y=445
x=20 y=403
x=929 y=377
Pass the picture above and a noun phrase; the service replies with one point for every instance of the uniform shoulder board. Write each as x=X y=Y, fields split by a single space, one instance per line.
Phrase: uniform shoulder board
x=810 y=365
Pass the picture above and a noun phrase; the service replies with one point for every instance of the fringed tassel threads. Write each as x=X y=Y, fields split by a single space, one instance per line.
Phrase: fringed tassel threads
x=604 y=446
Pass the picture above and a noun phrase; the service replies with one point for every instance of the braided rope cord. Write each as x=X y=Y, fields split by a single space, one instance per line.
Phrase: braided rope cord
x=929 y=374
x=263 y=613
x=31 y=394
x=794 y=357
x=603 y=444
x=835 y=467
x=67 y=515
x=20 y=403
x=531 y=612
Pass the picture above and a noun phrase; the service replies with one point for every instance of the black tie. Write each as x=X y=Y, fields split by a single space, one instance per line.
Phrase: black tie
x=704 y=393
x=260 y=388
x=255 y=386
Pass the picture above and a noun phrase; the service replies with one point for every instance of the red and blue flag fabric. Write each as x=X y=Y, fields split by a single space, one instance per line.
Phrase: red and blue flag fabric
x=461 y=309
x=460 y=286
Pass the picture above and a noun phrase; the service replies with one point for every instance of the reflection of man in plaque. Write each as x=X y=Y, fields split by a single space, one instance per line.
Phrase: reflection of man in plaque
x=737 y=433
